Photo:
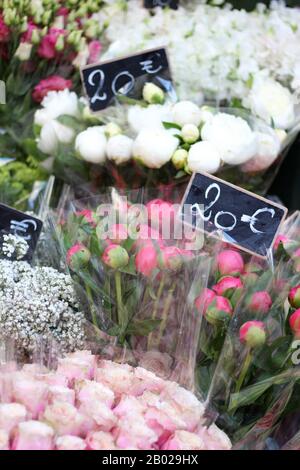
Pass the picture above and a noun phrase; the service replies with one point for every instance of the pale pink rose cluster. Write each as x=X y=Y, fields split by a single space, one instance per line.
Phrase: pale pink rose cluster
x=94 y=404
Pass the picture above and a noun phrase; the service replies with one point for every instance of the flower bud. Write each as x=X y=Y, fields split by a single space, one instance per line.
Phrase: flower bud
x=294 y=322
x=204 y=299
x=230 y=262
x=170 y=258
x=190 y=133
x=23 y=52
x=60 y=43
x=252 y=333
x=259 y=302
x=227 y=285
x=294 y=297
x=219 y=311
x=115 y=256
x=118 y=233
x=179 y=159
x=153 y=94
x=35 y=36
x=112 y=129
x=146 y=260
x=78 y=257
x=280 y=240
x=88 y=217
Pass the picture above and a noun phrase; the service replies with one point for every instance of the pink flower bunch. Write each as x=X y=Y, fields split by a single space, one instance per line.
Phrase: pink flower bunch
x=53 y=83
x=47 y=48
x=4 y=30
x=94 y=404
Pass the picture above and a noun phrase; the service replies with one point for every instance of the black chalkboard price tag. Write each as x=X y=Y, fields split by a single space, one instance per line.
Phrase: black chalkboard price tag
x=232 y=214
x=125 y=76
x=21 y=225
x=161 y=3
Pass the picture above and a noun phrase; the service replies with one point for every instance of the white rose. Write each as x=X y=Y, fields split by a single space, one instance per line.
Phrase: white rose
x=119 y=148
x=272 y=102
x=24 y=51
x=150 y=117
x=91 y=144
x=154 y=147
x=186 y=112
x=204 y=156
x=232 y=137
x=57 y=103
x=268 y=150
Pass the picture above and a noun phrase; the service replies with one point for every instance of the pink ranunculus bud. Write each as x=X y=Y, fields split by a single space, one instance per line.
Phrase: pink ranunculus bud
x=170 y=258
x=95 y=48
x=63 y=394
x=184 y=440
x=227 y=285
x=117 y=233
x=31 y=393
x=280 y=240
x=259 y=302
x=75 y=368
x=53 y=83
x=70 y=443
x=219 y=311
x=64 y=418
x=11 y=414
x=100 y=441
x=88 y=216
x=47 y=49
x=33 y=435
x=118 y=377
x=230 y=262
x=214 y=438
x=253 y=334
x=4 y=30
x=87 y=391
x=204 y=299
x=146 y=260
x=115 y=256
x=294 y=297
x=160 y=213
x=4 y=440
x=78 y=256
x=294 y=322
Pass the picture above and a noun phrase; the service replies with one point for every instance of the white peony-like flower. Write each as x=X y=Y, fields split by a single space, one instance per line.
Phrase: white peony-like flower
x=232 y=136
x=154 y=147
x=51 y=134
x=268 y=150
x=57 y=103
x=190 y=133
x=271 y=101
x=119 y=149
x=204 y=156
x=186 y=112
x=91 y=144
x=150 y=117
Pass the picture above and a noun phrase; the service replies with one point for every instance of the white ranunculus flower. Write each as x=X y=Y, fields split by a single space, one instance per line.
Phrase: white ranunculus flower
x=268 y=151
x=57 y=103
x=51 y=134
x=91 y=144
x=271 y=101
x=232 y=136
x=154 y=147
x=150 y=117
x=119 y=148
x=204 y=156
x=186 y=112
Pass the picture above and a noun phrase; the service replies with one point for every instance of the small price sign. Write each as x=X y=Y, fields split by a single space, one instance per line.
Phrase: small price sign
x=232 y=214
x=22 y=225
x=161 y=3
x=125 y=76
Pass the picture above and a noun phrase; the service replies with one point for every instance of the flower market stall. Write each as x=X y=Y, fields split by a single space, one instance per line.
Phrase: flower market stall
x=149 y=282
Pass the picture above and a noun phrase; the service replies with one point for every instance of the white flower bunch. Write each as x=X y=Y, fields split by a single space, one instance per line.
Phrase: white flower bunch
x=14 y=246
x=38 y=302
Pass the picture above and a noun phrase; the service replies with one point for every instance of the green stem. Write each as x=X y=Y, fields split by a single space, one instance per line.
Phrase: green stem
x=121 y=313
x=91 y=301
x=165 y=313
x=247 y=362
x=156 y=305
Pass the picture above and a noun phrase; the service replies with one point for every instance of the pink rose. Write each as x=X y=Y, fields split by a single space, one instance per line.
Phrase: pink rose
x=294 y=297
x=64 y=418
x=4 y=30
x=4 y=440
x=100 y=416
x=75 y=368
x=184 y=440
x=259 y=302
x=127 y=406
x=227 y=285
x=252 y=333
x=118 y=377
x=33 y=435
x=62 y=394
x=100 y=441
x=294 y=322
x=53 y=379
x=53 y=83
x=146 y=260
x=11 y=414
x=95 y=48
x=204 y=299
x=88 y=391
x=214 y=438
x=70 y=443
x=47 y=48
x=230 y=262
x=133 y=433
x=31 y=393
x=145 y=380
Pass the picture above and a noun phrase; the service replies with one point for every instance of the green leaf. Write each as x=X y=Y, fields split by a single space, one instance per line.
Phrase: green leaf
x=142 y=327
x=171 y=125
x=114 y=330
x=180 y=174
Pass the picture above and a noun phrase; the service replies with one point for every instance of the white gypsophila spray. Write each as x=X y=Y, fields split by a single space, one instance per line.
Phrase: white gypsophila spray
x=37 y=303
x=14 y=247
